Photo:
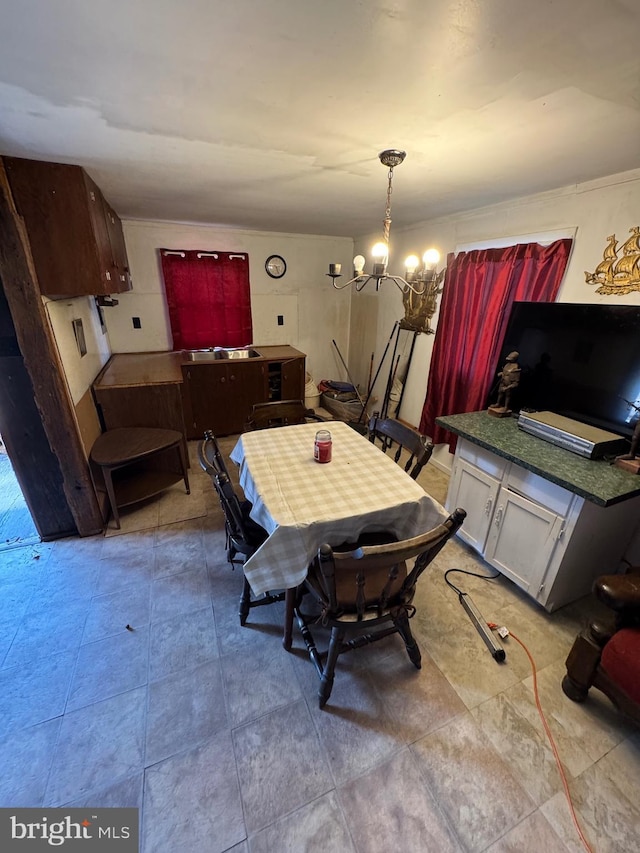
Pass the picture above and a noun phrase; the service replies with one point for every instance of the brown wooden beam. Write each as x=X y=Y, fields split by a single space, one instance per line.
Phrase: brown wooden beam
x=44 y=367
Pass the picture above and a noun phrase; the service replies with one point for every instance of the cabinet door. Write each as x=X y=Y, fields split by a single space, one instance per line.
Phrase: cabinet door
x=207 y=389
x=522 y=539
x=120 y=263
x=248 y=385
x=96 y=210
x=476 y=492
x=292 y=385
x=221 y=396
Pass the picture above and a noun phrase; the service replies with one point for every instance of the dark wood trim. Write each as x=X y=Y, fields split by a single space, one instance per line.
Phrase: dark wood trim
x=42 y=362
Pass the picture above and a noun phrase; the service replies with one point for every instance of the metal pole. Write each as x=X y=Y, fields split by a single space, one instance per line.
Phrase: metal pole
x=384 y=354
x=392 y=376
x=385 y=403
x=349 y=377
x=370 y=372
x=404 y=384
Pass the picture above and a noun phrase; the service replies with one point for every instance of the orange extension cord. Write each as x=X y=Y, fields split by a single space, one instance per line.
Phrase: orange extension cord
x=565 y=785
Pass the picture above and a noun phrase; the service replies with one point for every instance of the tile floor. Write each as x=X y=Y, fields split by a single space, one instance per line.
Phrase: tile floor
x=16 y=525
x=126 y=680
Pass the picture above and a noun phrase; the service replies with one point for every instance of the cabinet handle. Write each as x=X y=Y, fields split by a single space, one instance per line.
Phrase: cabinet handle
x=499 y=514
x=488 y=507
x=232 y=378
x=561 y=531
x=223 y=379
x=108 y=275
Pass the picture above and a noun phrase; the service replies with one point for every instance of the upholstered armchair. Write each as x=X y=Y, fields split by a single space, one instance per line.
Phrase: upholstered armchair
x=607 y=656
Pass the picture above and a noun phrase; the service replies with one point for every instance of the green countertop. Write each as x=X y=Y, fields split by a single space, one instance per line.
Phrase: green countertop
x=594 y=480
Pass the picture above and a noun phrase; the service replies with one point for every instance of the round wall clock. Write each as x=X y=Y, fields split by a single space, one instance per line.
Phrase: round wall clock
x=275 y=266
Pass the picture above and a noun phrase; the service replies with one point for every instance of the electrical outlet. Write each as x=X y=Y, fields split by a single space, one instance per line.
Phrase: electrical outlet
x=136 y=322
x=281 y=319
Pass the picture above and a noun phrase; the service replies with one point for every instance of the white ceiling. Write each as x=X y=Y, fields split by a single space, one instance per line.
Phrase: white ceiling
x=269 y=114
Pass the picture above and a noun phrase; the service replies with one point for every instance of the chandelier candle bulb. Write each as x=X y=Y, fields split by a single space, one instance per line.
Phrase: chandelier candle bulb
x=411 y=264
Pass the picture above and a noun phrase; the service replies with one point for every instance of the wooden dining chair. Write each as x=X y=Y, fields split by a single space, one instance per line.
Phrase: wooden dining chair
x=243 y=535
x=210 y=456
x=364 y=594
x=279 y=413
x=388 y=432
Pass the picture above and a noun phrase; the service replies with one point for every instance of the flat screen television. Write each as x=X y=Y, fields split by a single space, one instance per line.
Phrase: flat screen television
x=580 y=361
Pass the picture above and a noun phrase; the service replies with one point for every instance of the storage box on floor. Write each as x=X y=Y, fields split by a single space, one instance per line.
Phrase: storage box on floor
x=341 y=400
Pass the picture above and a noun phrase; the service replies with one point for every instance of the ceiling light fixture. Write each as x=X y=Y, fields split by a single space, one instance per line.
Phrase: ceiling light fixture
x=416 y=278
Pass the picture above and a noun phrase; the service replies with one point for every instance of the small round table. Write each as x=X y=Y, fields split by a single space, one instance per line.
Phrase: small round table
x=128 y=450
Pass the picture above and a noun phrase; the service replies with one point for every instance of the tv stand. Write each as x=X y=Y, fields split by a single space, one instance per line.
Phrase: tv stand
x=547 y=519
x=583 y=439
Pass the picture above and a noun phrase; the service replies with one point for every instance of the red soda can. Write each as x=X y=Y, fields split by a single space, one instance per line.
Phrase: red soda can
x=322 y=446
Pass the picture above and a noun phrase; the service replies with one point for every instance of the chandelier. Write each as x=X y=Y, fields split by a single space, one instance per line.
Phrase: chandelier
x=416 y=278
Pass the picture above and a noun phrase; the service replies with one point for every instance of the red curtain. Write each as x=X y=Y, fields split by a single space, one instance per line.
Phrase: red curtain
x=208 y=297
x=480 y=288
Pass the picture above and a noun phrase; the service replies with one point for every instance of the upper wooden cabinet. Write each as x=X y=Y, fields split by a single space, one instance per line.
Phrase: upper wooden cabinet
x=76 y=238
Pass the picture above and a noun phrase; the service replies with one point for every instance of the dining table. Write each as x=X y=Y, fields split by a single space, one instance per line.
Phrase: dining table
x=303 y=504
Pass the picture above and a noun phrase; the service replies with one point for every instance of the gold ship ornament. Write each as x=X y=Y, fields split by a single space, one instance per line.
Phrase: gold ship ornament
x=619 y=270
x=419 y=308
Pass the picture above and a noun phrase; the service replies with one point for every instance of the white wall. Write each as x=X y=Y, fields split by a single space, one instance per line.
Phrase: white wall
x=595 y=210
x=80 y=371
x=314 y=313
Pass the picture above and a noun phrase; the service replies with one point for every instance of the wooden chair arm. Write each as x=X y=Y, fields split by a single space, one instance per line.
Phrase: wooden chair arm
x=619 y=592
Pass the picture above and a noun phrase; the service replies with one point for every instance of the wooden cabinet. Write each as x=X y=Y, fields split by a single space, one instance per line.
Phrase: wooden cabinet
x=219 y=395
x=166 y=390
x=141 y=390
x=549 y=541
x=75 y=237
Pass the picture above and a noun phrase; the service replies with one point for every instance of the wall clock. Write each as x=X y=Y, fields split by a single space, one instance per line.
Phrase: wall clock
x=275 y=266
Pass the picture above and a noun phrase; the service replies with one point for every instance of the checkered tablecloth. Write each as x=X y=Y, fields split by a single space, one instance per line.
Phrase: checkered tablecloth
x=303 y=504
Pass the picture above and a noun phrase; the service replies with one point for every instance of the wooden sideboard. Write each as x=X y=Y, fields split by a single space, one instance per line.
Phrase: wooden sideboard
x=167 y=390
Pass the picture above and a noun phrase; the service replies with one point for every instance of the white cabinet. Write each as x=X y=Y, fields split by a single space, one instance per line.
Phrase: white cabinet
x=475 y=491
x=550 y=542
x=521 y=539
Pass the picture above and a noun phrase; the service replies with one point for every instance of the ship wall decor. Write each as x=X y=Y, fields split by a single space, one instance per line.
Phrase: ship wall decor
x=419 y=308
x=618 y=272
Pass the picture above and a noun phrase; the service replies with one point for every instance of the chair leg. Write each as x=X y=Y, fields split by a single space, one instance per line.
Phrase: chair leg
x=289 y=606
x=582 y=662
x=326 y=681
x=401 y=622
x=245 y=602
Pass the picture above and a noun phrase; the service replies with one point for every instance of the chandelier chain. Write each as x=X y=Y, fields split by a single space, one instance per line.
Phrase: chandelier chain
x=387 y=212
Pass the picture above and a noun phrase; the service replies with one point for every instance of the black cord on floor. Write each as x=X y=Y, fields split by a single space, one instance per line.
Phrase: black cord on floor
x=466 y=572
